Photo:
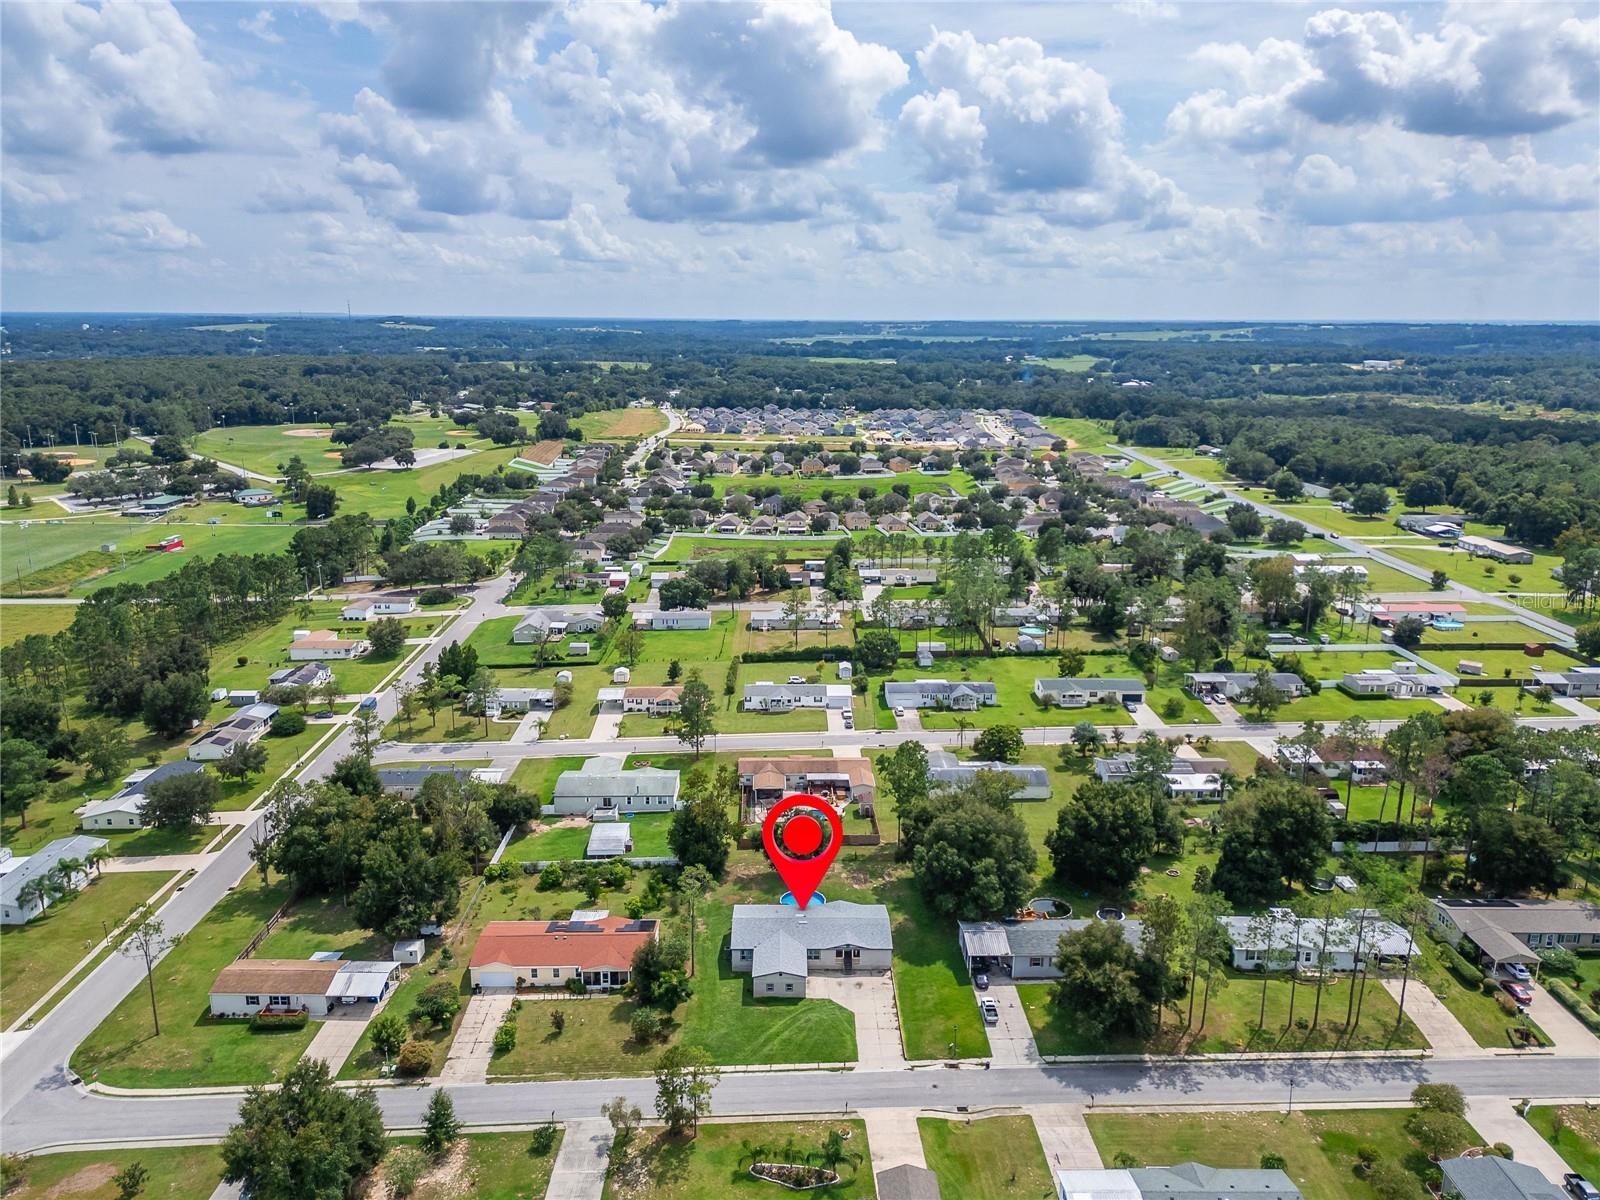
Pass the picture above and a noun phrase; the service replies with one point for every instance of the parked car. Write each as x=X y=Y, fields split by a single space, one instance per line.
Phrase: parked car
x=1520 y=992
x=981 y=982
x=796 y=679
x=1517 y=971
x=990 y=1010
x=1578 y=1187
x=899 y=711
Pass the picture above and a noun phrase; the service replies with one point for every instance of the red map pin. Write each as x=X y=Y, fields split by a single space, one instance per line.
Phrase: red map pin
x=800 y=856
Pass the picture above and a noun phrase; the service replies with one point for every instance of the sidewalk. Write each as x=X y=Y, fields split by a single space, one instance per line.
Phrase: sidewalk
x=580 y=1167
x=1065 y=1137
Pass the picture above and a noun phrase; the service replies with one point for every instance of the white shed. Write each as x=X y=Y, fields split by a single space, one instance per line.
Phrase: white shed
x=621 y=675
x=846 y=670
x=580 y=649
x=410 y=951
x=563 y=676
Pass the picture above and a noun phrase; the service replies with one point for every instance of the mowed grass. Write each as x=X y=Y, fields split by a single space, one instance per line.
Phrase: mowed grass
x=66 y=560
x=1483 y=573
x=595 y=1041
x=716 y=1161
x=997 y=1158
x=1319 y=1147
x=938 y=1012
x=622 y=423
x=501 y=1168
x=18 y=621
x=38 y=954
x=266 y=650
x=194 y=1050
x=1574 y=1131
x=265 y=448
x=649 y=831
x=176 y=1173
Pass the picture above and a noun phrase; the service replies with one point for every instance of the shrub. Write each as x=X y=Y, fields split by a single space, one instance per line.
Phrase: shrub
x=1172 y=709
x=1390 y=1181
x=403 y=1167
x=1460 y=967
x=558 y=1021
x=437 y=1003
x=576 y=986
x=1559 y=958
x=550 y=878
x=13 y=1171
x=269 y=1022
x=437 y=595
x=1502 y=1150
x=1368 y=1155
x=1271 y=1161
x=1507 y=1004
x=287 y=724
x=505 y=1038
x=1125 y=1161
x=415 y=1058
x=1439 y=1097
x=1574 y=1001
x=1440 y=1134
x=543 y=1141
x=647 y=1025
x=243 y=660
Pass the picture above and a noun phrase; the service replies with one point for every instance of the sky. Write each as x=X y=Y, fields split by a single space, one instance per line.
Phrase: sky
x=1132 y=160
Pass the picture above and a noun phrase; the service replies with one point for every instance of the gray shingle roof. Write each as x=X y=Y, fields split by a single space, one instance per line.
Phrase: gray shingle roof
x=1196 y=1181
x=819 y=927
x=1491 y=1178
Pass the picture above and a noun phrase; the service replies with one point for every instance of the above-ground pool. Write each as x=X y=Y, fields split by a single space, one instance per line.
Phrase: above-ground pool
x=1049 y=906
x=1109 y=914
x=788 y=898
x=1448 y=625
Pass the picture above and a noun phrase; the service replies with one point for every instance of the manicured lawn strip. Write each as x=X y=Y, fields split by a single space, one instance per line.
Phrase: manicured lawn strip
x=1578 y=1141
x=622 y=423
x=18 y=621
x=323 y=924
x=502 y=1168
x=1091 y=436
x=199 y=541
x=1320 y=1147
x=1348 y=524
x=1330 y=665
x=538 y=775
x=998 y=1158
x=176 y=1173
x=1230 y=1022
x=1194 y=712
x=1241 y=756
x=1500 y=664
x=1331 y=704
x=1485 y=574
x=1514 y=700
x=716 y=1162
x=38 y=953
x=931 y=989
x=451 y=724
x=193 y=1050
x=384 y=493
x=570 y=842
x=492 y=641
x=595 y=1042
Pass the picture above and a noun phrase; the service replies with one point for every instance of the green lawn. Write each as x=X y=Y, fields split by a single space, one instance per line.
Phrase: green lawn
x=1087 y=435
x=1348 y=524
x=1479 y=1013
x=997 y=1158
x=716 y=1161
x=282 y=752
x=538 y=775
x=1500 y=664
x=193 y=1050
x=39 y=953
x=501 y=1168
x=176 y=1173
x=267 y=649
x=492 y=641
x=1332 y=705
x=931 y=989
x=1013 y=677
x=1320 y=1147
x=594 y=1043
x=1485 y=574
x=1574 y=1130
x=1331 y=665
x=264 y=448
x=1230 y=1024
x=139 y=842
x=451 y=724
x=18 y=621
x=570 y=841
x=384 y=493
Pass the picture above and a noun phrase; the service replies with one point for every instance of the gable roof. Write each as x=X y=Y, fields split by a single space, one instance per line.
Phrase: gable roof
x=1491 y=1178
x=280 y=976
x=819 y=927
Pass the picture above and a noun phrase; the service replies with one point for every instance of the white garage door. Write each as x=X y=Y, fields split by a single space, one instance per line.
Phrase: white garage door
x=497 y=979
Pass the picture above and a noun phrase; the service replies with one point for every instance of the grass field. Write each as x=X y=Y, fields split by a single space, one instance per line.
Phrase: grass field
x=1332 y=705
x=39 y=953
x=956 y=482
x=265 y=448
x=997 y=1158
x=1480 y=1014
x=622 y=423
x=176 y=1173
x=1499 y=664
x=18 y=621
x=1075 y=363
x=1091 y=436
x=1485 y=574
x=1348 y=524
x=267 y=649
x=1574 y=1131
x=1013 y=678
x=930 y=981
x=594 y=1043
x=715 y=1162
x=649 y=831
x=1320 y=1147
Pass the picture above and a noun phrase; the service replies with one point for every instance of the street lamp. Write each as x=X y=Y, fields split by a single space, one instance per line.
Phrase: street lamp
x=1290 y=1110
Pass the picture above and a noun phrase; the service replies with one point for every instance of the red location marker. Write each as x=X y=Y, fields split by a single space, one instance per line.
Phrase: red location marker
x=801 y=858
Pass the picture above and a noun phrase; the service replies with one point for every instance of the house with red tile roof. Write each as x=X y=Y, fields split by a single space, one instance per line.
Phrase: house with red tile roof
x=589 y=945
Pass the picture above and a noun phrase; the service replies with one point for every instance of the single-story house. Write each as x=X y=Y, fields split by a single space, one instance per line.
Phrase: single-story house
x=254 y=497
x=1186 y=778
x=1033 y=783
x=1278 y=944
x=940 y=693
x=674 y=618
x=307 y=675
x=1578 y=682
x=1080 y=693
x=1399 y=685
x=314 y=985
x=125 y=809
x=1024 y=949
x=765 y=696
x=407 y=781
x=1185 y=1181
x=18 y=902
x=602 y=785
x=1511 y=931
x=1233 y=684
x=325 y=645
x=1482 y=547
x=590 y=945
x=549 y=623
x=520 y=699
x=778 y=945
x=767 y=619
x=243 y=728
x=764 y=781
x=1360 y=771
x=1489 y=1177
x=1295 y=757
x=653 y=701
x=370 y=608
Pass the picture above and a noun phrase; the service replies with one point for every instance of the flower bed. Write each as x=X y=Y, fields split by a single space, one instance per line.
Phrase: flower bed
x=795 y=1177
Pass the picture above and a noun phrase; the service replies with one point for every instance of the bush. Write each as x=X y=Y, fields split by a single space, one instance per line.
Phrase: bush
x=1440 y=1134
x=265 y=1022
x=1559 y=958
x=505 y=1038
x=550 y=879
x=1368 y=1155
x=1506 y=1003
x=1271 y=1161
x=13 y=1171
x=543 y=1141
x=287 y=724
x=437 y=595
x=647 y=1025
x=1574 y=1001
x=437 y=1003
x=1390 y=1181
x=1125 y=1161
x=243 y=660
x=1502 y=1150
x=1460 y=967
x=576 y=986
x=415 y=1058
x=403 y=1167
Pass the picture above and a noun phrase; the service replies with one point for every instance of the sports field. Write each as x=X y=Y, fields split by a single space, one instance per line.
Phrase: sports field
x=622 y=423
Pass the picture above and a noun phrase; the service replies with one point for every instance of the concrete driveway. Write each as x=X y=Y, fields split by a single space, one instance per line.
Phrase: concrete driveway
x=1564 y=1029
x=870 y=998
x=473 y=1046
x=910 y=723
x=338 y=1033
x=1011 y=1041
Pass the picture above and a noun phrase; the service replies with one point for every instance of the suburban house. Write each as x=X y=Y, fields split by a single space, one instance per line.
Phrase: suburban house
x=1186 y=1181
x=940 y=693
x=1033 y=783
x=766 y=696
x=1080 y=693
x=406 y=782
x=324 y=645
x=125 y=809
x=313 y=985
x=306 y=675
x=653 y=701
x=591 y=945
x=254 y=497
x=602 y=786
x=243 y=728
x=1578 y=682
x=778 y=945
x=370 y=608
x=1024 y=949
x=1233 y=684
x=1287 y=939
x=1197 y=779
x=20 y=903
x=768 y=619
x=1393 y=682
x=673 y=618
x=1489 y=1177
x=764 y=781
x=547 y=624
x=1510 y=931
x=1482 y=547
x=520 y=699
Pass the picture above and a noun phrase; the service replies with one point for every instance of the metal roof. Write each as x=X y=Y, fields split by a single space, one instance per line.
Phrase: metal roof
x=42 y=861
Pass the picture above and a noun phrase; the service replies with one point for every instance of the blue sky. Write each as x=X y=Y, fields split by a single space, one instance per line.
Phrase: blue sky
x=1140 y=159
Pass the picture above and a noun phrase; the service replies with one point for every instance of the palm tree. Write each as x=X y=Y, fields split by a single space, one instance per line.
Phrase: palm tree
x=962 y=725
x=66 y=872
x=98 y=856
x=33 y=893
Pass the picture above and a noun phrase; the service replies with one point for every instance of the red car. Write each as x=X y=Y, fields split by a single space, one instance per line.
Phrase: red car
x=1520 y=992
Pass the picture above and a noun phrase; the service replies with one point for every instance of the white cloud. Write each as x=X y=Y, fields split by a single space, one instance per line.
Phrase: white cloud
x=260 y=26
x=445 y=59
x=34 y=208
x=148 y=230
x=276 y=194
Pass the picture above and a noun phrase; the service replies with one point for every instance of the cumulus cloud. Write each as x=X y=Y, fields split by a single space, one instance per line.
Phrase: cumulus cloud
x=1015 y=127
x=444 y=59
x=260 y=26
x=1497 y=77
x=146 y=230
x=278 y=195
x=721 y=112
x=34 y=208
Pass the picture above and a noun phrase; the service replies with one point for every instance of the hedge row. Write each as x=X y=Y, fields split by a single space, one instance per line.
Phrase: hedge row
x=1460 y=967
x=278 y=1020
x=1575 y=1002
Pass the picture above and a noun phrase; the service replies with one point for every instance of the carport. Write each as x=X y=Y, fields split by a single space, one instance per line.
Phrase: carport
x=984 y=946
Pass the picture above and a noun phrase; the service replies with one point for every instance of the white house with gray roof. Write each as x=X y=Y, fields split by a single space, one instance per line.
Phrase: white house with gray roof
x=125 y=809
x=1185 y=1181
x=1233 y=684
x=18 y=902
x=1513 y=931
x=1489 y=1177
x=778 y=945
x=1033 y=783
x=1025 y=949
x=1280 y=940
x=765 y=696
x=963 y=696
x=1080 y=693
x=601 y=786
